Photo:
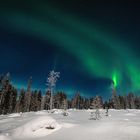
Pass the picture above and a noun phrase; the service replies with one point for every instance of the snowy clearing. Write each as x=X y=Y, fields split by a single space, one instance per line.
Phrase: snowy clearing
x=39 y=127
x=42 y=125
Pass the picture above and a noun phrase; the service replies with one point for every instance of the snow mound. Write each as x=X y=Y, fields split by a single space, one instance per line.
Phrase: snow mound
x=126 y=119
x=41 y=113
x=56 y=111
x=89 y=110
x=14 y=115
x=68 y=125
x=130 y=114
x=60 y=111
x=2 y=137
x=39 y=127
x=133 y=130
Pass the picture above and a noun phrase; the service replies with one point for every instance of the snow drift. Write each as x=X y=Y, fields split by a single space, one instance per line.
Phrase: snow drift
x=39 y=127
x=3 y=137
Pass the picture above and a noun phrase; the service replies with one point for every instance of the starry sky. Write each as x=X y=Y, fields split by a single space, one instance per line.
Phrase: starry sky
x=91 y=43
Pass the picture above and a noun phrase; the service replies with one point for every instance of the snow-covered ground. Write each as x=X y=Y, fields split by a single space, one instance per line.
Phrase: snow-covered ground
x=42 y=125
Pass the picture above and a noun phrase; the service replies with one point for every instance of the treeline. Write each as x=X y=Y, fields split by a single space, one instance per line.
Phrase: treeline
x=12 y=101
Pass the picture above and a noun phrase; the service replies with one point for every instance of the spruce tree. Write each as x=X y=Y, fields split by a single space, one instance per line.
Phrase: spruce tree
x=28 y=95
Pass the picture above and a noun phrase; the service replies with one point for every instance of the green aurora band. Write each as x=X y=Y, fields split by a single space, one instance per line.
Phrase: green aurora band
x=99 y=53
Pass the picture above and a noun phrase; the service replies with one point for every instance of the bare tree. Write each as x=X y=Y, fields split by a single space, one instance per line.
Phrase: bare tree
x=51 y=82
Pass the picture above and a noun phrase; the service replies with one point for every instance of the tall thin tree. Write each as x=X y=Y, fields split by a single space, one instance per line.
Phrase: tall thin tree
x=51 y=83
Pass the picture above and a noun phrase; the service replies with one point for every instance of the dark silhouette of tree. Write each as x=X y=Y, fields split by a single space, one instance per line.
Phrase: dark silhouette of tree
x=20 y=106
x=13 y=100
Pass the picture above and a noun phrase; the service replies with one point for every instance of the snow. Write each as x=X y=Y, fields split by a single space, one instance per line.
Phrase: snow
x=56 y=111
x=38 y=127
x=130 y=114
x=42 y=125
x=126 y=119
x=2 y=137
x=68 y=125
x=41 y=112
x=14 y=115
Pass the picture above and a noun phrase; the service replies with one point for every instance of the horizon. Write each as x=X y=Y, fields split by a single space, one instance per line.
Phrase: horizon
x=69 y=94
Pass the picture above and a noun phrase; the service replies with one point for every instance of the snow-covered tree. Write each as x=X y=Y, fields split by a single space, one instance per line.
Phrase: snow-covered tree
x=43 y=102
x=35 y=104
x=58 y=100
x=65 y=106
x=137 y=102
x=127 y=105
x=86 y=103
x=106 y=113
x=8 y=95
x=78 y=101
x=131 y=98
x=39 y=97
x=20 y=105
x=96 y=105
x=47 y=100
x=13 y=99
x=115 y=98
x=51 y=82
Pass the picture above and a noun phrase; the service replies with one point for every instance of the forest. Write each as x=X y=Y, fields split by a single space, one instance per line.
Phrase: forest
x=13 y=100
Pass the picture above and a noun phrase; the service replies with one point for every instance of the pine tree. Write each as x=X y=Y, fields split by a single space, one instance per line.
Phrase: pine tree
x=6 y=103
x=106 y=107
x=86 y=103
x=28 y=95
x=1 y=93
x=33 y=101
x=96 y=104
x=132 y=100
x=13 y=100
x=65 y=106
x=39 y=97
x=115 y=98
x=77 y=101
x=21 y=103
x=122 y=102
x=47 y=98
x=7 y=95
x=35 y=104
x=137 y=102
x=43 y=99
x=127 y=105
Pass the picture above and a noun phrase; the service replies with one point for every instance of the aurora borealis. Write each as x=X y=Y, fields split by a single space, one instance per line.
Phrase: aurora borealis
x=92 y=44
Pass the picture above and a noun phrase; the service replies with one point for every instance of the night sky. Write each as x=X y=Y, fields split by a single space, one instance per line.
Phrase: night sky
x=91 y=44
